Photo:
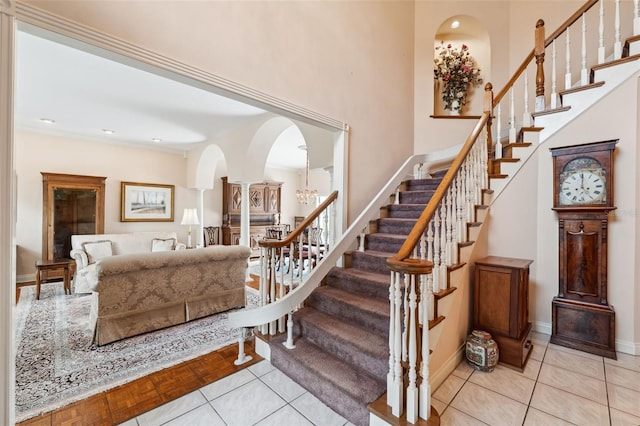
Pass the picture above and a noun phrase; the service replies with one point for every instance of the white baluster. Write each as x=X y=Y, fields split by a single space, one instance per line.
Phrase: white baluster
x=264 y=294
x=425 y=387
x=289 y=342
x=391 y=389
x=512 y=116
x=454 y=223
x=436 y=251
x=443 y=248
x=526 y=116
x=498 y=148
x=584 y=74
x=601 y=50
x=636 y=17
x=398 y=409
x=405 y=319
x=272 y=293
x=242 y=357
x=449 y=226
x=397 y=200
x=462 y=224
x=430 y=257
x=554 y=92
x=617 y=47
x=567 y=75
x=412 y=390
x=273 y=274
x=362 y=234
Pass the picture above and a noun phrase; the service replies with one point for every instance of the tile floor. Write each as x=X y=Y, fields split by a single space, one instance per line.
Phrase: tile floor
x=559 y=386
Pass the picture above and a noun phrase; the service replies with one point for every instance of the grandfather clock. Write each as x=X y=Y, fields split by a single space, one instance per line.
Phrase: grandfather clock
x=583 y=198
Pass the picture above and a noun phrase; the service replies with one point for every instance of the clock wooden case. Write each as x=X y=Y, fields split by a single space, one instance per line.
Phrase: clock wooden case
x=583 y=197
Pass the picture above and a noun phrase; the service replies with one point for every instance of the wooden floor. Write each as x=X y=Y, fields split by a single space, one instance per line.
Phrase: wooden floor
x=132 y=399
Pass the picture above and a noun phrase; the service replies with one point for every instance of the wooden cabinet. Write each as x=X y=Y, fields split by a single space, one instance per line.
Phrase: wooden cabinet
x=264 y=211
x=501 y=306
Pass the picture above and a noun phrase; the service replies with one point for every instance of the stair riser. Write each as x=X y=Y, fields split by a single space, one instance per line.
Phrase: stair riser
x=417 y=197
x=378 y=242
x=377 y=322
x=358 y=286
x=350 y=408
x=398 y=211
x=372 y=263
x=398 y=228
x=377 y=367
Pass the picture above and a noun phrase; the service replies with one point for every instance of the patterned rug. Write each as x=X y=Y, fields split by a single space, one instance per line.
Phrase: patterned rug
x=56 y=364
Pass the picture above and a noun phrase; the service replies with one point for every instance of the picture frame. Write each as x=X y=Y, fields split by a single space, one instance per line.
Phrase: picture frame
x=146 y=202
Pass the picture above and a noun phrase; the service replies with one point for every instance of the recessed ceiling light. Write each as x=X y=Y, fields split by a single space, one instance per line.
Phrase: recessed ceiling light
x=156 y=139
x=108 y=131
x=455 y=24
x=47 y=120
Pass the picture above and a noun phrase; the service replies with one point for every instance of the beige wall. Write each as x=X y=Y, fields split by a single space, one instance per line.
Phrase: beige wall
x=352 y=61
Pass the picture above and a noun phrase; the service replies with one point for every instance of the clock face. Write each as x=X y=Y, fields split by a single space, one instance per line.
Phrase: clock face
x=582 y=182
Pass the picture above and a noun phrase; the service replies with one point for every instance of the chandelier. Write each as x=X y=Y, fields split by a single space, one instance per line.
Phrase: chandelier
x=306 y=196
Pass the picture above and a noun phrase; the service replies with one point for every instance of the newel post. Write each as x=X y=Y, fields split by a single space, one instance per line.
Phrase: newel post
x=539 y=53
x=488 y=107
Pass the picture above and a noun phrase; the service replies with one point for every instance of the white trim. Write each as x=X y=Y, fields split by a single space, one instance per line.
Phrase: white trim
x=7 y=216
x=88 y=39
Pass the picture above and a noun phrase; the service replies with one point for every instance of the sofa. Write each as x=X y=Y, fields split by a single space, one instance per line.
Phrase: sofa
x=86 y=250
x=142 y=292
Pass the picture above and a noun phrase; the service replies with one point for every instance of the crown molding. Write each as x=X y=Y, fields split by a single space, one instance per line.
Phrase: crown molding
x=8 y=7
x=163 y=65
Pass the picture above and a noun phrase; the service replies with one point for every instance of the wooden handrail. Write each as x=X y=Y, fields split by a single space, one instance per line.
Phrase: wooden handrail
x=418 y=230
x=527 y=60
x=285 y=242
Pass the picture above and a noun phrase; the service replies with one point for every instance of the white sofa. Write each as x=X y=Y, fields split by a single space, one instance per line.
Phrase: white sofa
x=86 y=250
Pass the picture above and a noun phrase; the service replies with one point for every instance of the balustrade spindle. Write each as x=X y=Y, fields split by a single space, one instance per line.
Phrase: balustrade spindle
x=539 y=54
x=554 y=92
x=425 y=387
x=584 y=75
x=636 y=17
x=405 y=320
x=617 y=47
x=391 y=377
x=449 y=231
x=436 y=251
x=512 y=115
x=442 y=268
x=567 y=75
x=412 y=389
x=601 y=50
x=398 y=383
x=498 y=149
x=526 y=116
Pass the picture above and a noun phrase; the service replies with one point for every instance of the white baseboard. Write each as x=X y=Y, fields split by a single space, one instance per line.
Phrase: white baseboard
x=262 y=348
x=622 y=346
x=447 y=368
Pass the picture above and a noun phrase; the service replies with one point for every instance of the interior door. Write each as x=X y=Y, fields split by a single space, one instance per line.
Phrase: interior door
x=71 y=205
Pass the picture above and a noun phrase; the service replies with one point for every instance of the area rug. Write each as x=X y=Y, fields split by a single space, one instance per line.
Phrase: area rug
x=56 y=364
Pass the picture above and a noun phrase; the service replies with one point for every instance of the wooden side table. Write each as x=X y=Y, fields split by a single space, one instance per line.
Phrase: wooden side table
x=54 y=265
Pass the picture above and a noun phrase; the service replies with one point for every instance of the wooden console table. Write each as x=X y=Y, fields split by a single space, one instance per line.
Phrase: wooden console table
x=501 y=306
x=54 y=265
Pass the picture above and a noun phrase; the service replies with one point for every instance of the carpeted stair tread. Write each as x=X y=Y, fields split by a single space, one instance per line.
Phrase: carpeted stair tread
x=356 y=345
x=368 y=312
x=361 y=281
x=396 y=225
x=346 y=389
x=405 y=211
x=371 y=260
x=386 y=243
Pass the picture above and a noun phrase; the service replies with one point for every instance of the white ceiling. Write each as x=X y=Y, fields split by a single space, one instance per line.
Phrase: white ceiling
x=85 y=94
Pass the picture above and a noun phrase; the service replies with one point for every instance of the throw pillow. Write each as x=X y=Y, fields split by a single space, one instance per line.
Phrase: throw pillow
x=96 y=250
x=158 y=244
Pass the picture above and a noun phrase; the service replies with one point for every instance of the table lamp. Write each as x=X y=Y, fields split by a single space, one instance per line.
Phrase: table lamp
x=189 y=218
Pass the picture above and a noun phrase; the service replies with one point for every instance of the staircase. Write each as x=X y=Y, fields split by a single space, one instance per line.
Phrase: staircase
x=342 y=333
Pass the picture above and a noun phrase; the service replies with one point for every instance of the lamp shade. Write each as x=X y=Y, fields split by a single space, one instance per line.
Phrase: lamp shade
x=190 y=217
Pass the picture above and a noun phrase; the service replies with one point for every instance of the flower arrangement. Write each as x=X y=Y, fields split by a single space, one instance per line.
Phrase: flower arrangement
x=456 y=68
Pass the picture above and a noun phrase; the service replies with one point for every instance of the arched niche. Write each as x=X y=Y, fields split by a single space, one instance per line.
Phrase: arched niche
x=471 y=32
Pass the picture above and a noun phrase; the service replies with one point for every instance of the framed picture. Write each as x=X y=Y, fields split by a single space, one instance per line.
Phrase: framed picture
x=146 y=202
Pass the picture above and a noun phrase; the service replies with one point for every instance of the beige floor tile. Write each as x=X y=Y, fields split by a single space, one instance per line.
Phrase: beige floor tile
x=532 y=369
x=540 y=338
x=618 y=418
x=537 y=352
x=627 y=361
x=506 y=382
x=448 y=389
x=463 y=370
x=569 y=407
x=539 y=418
x=438 y=405
x=488 y=406
x=575 y=352
x=624 y=399
x=623 y=377
x=453 y=417
x=578 y=384
x=577 y=363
